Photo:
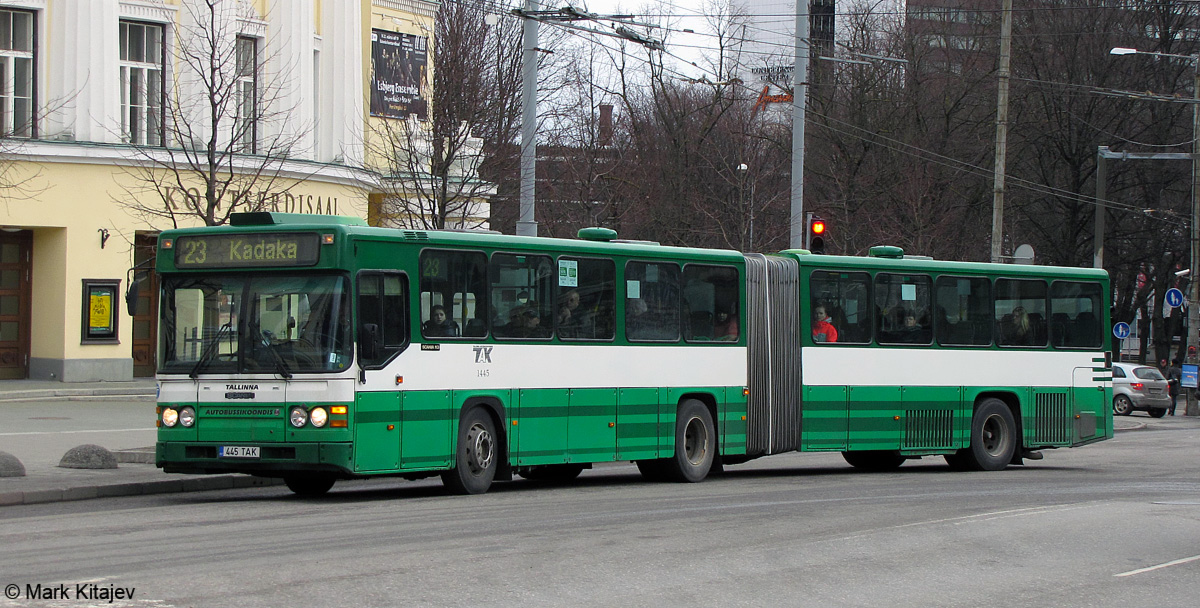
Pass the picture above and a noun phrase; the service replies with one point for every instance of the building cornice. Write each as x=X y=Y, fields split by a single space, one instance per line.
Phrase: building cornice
x=117 y=155
x=424 y=8
x=148 y=11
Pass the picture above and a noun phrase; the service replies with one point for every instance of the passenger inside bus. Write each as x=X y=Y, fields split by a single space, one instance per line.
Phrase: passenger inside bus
x=822 y=329
x=727 y=326
x=438 y=325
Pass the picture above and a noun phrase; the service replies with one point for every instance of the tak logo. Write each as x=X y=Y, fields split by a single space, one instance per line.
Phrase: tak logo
x=483 y=354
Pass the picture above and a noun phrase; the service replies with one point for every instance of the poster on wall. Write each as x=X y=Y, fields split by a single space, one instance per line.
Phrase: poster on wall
x=99 y=311
x=399 y=74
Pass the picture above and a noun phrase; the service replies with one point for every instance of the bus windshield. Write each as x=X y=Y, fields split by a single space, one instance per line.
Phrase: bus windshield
x=237 y=323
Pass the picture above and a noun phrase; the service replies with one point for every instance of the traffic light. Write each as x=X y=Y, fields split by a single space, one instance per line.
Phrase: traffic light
x=816 y=234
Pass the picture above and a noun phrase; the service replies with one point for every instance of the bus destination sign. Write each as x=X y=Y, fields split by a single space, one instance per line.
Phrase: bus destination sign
x=247 y=250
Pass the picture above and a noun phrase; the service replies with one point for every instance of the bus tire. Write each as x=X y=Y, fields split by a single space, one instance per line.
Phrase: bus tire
x=695 y=443
x=993 y=437
x=874 y=460
x=476 y=457
x=309 y=485
x=554 y=473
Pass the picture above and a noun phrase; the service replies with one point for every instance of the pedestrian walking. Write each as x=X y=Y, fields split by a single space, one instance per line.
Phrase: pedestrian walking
x=1173 y=378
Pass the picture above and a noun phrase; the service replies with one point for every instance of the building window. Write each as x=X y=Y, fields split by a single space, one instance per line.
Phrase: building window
x=16 y=73
x=142 y=84
x=246 y=131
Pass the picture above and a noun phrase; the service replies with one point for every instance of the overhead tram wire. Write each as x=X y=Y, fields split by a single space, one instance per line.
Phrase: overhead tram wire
x=952 y=163
x=895 y=145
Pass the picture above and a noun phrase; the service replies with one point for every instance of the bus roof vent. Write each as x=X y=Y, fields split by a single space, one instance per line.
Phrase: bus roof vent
x=416 y=235
x=271 y=218
x=596 y=233
x=886 y=251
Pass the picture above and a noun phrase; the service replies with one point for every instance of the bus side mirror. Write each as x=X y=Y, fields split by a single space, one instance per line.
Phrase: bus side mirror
x=131 y=298
x=369 y=342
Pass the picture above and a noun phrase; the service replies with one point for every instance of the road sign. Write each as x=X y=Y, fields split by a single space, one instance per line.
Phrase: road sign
x=1188 y=373
x=1121 y=330
x=1174 y=298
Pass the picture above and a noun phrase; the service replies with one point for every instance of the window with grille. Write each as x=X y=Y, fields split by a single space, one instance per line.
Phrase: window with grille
x=142 y=84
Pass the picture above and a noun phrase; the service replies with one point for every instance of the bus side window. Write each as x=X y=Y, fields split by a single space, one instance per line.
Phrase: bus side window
x=1073 y=315
x=710 y=297
x=846 y=298
x=584 y=309
x=453 y=284
x=652 y=302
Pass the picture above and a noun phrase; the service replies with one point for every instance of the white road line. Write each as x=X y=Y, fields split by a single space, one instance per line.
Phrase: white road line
x=74 y=432
x=1160 y=566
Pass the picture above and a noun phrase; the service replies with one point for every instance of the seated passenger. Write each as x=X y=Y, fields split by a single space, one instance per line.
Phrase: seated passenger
x=1015 y=328
x=727 y=327
x=438 y=326
x=822 y=329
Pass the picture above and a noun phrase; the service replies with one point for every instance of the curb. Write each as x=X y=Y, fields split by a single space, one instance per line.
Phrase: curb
x=169 y=486
x=79 y=394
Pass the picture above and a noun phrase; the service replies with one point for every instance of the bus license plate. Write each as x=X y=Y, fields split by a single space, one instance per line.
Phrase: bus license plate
x=237 y=451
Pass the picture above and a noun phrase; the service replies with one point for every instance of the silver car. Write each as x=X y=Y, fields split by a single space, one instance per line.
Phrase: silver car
x=1139 y=387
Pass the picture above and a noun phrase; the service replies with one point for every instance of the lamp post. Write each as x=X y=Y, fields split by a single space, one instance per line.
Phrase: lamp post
x=1193 y=317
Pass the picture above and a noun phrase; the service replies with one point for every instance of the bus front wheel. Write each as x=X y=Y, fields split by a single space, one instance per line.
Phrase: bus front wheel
x=475 y=462
x=695 y=443
x=993 y=439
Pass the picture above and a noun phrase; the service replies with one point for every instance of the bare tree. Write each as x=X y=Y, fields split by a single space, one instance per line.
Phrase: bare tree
x=226 y=133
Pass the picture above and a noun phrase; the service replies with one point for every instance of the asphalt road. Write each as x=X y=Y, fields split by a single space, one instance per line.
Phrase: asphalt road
x=1114 y=524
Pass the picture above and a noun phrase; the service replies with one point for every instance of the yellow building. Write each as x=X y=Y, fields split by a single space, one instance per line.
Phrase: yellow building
x=110 y=113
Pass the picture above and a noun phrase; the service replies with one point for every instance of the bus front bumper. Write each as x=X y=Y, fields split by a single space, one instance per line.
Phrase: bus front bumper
x=273 y=460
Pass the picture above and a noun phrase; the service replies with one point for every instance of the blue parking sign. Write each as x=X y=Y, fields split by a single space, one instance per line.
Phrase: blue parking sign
x=1121 y=330
x=1188 y=375
x=1174 y=298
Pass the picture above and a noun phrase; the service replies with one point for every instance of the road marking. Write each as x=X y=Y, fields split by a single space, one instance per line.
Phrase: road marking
x=1160 y=566
x=74 y=432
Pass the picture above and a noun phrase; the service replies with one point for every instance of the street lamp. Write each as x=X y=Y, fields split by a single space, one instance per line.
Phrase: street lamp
x=1193 y=408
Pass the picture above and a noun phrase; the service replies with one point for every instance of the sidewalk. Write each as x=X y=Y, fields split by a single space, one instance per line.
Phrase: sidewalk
x=44 y=482
x=136 y=474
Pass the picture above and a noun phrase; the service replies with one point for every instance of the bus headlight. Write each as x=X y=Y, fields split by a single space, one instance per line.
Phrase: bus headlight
x=187 y=416
x=170 y=416
x=318 y=417
x=299 y=416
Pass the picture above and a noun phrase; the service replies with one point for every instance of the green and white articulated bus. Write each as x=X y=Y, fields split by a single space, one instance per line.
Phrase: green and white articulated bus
x=317 y=348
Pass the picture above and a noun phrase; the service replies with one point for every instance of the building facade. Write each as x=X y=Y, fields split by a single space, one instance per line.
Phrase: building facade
x=114 y=129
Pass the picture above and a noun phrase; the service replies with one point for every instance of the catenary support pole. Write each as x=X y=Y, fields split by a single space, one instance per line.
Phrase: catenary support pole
x=799 y=97
x=526 y=224
x=1001 y=133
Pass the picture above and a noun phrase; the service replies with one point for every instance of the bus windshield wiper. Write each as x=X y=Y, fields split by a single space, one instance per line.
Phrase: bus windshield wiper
x=209 y=351
x=281 y=366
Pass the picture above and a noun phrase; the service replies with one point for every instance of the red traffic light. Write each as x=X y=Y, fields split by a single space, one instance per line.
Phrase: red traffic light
x=818 y=227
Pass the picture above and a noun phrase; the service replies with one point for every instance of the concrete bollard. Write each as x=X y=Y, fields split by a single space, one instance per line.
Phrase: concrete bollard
x=10 y=466
x=88 y=456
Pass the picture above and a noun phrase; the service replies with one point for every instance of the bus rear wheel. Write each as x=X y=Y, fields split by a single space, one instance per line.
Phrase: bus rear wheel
x=309 y=485
x=874 y=460
x=993 y=439
x=476 y=457
x=695 y=443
